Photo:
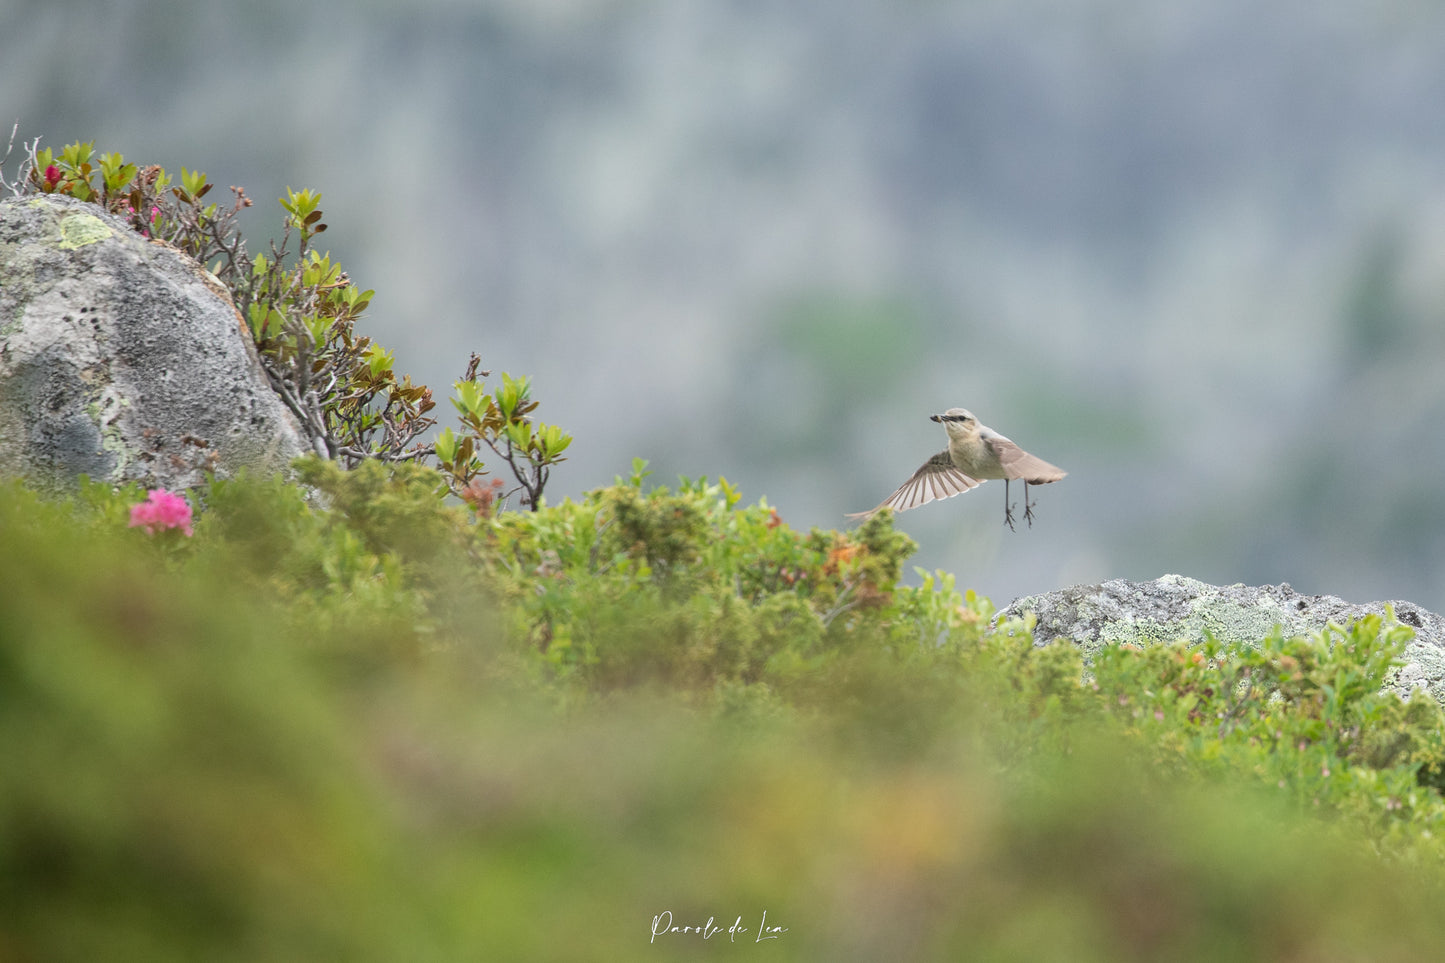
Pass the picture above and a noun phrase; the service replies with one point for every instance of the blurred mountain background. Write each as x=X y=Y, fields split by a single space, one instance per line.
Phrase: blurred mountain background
x=1192 y=252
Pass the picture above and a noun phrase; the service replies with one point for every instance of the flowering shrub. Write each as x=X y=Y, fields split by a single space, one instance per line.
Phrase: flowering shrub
x=162 y=510
x=301 y=308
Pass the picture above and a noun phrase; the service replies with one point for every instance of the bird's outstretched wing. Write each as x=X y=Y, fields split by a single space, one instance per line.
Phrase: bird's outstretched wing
x=938 y=478
x=1018 y=463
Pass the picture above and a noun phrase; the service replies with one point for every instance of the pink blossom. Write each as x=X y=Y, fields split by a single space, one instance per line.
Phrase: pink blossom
x=155 y=213
x=52 y=175
x=161 y=510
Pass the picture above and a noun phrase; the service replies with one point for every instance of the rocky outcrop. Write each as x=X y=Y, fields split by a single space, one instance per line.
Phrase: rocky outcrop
x=122 y=358
x=1173 y=607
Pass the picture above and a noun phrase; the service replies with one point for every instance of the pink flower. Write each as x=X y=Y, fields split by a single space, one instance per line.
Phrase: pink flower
x=161 y=510
x=155 y=213
x=52 y=175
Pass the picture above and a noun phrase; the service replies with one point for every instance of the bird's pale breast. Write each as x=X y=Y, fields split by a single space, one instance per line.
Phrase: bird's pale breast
x=973 y=457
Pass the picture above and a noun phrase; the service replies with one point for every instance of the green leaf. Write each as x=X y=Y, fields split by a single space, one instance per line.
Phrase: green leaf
x=379 y=360
x=731 y=496
x=512 y=395
x=446 y=446
x=319 y=271
x=356 y=299
x=193 y=184
x=319 y=327
x=519 y=433
x=301 y=205
x=470 y=399
x=640 y=471
x=551 y=440
x=77 y=156
x=275 y=323
x=115 y=172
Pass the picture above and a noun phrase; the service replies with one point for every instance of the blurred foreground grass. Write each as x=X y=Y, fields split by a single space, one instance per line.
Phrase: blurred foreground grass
x=358 y=735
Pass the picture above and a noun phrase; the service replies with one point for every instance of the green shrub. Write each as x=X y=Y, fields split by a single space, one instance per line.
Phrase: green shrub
x=301 y=734
x=1306 y=715
x=687 y=589
x=177 y=785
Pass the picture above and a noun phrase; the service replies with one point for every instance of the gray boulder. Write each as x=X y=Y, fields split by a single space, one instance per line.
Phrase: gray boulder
x=123 y=359
x=1173 y=607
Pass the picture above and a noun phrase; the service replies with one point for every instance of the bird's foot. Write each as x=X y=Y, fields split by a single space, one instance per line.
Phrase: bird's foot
x=1029 y=514
x=1008 y=517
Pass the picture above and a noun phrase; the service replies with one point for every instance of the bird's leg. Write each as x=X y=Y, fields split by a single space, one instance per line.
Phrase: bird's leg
x=1008 y=512
x=1028 y=509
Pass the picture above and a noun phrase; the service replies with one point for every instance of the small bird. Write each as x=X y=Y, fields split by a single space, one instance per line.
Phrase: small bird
x=975 y=454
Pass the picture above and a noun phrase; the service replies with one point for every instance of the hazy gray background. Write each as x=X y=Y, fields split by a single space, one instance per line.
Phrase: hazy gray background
x=1192 y=252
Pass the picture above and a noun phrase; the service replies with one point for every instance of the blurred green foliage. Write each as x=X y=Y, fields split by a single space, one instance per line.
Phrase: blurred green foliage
x=1304 y=713
x=351 y=721
x=686 y=589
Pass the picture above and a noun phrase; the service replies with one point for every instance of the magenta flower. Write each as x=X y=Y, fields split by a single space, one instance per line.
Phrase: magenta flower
x=161 y=510
x=155 y=213
x=52 y=175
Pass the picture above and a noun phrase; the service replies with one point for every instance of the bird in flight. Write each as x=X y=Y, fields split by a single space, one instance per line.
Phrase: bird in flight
x=975 y=453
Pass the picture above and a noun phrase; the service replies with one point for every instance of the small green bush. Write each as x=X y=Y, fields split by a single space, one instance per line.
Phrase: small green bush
x=688 y=590
x=1304 y=714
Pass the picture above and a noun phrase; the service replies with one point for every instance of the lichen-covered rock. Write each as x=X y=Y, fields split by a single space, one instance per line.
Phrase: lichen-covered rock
x=122 y=359
x=1173 y=607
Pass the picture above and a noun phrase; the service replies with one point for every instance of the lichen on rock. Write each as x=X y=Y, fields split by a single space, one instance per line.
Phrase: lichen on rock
x=1174 y=607
x=119 y=361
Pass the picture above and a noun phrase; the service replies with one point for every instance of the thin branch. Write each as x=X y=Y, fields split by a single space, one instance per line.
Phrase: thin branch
x=14 y=189
x=842 y=606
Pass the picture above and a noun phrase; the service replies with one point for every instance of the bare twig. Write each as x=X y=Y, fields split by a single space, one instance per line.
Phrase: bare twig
x=14 y=189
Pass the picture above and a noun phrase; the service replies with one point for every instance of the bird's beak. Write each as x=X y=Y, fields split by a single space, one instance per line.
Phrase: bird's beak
x=938 y=418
